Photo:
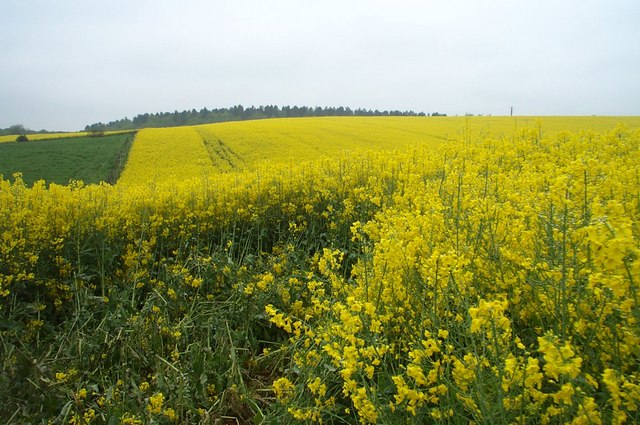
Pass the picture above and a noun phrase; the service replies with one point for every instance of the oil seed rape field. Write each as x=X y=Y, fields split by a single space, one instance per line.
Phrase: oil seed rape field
x=57 y=135
x=43 y=136
x=167 y=154
x=194 y=152
x=170 y=153
x=491 y=277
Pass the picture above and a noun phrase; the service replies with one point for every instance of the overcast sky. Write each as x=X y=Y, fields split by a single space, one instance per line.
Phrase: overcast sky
x=68 y=63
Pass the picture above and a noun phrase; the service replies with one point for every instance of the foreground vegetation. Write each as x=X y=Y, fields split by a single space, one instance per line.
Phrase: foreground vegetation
x=89 y=159
x=495 y=281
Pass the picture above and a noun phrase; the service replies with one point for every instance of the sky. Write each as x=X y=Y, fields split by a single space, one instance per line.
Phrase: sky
x=69 y=63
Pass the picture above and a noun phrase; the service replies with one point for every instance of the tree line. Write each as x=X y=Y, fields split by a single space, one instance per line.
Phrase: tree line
x=239 y=113
x=18 y=129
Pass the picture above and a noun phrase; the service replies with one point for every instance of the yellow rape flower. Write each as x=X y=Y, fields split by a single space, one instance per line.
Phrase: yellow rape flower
x=156 y=402
x=283 y=388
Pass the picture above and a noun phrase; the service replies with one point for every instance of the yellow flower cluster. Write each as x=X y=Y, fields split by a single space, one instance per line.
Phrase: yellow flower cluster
x=502 y=280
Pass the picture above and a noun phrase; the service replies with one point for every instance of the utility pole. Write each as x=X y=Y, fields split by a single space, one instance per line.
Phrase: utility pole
x=512 y=111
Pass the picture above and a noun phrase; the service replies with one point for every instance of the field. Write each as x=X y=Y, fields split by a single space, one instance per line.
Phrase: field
x=43 y=136
x=57 y=136
x=89 y=159
x=480 y=269
x=192 y=152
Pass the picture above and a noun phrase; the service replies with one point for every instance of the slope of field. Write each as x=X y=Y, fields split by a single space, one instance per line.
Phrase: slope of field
x=61 y=135
x=90 y=159
x=548 y=125
x=489 y=280
x=191 y=152
x=241 y=145
x=43 y=136
x=166 y=154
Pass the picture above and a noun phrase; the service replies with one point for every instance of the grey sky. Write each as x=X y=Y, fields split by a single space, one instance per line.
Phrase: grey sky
x=68 y=63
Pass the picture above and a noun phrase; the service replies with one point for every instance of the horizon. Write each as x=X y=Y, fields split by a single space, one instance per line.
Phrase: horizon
x=427 y=115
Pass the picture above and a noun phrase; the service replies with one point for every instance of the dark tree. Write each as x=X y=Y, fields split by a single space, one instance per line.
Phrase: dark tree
x=238 y=112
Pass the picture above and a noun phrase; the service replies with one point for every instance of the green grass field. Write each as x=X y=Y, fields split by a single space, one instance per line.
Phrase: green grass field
x=89 y=159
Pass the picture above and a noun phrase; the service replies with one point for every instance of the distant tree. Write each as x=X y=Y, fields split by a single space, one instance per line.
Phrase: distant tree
x=15 y=129
x=22 y=138
x=95 y=130
x=139 y=120
x=237 y=113
x=18 y=129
